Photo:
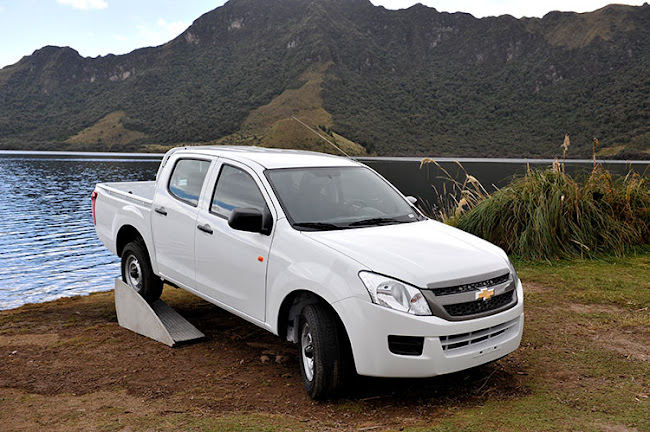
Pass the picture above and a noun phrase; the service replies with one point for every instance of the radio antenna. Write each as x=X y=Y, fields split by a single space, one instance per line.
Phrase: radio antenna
x=321 y=136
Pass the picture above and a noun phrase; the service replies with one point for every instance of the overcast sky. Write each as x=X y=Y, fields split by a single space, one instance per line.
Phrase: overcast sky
x=100 y=27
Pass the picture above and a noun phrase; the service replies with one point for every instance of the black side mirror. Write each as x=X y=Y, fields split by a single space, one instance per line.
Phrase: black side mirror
x=248 y=219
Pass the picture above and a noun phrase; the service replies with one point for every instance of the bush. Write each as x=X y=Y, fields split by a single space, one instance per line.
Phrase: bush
x=548 y=215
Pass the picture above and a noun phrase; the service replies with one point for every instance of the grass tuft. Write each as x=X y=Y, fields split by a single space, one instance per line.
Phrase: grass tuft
x=548 y=215
x=460 y=197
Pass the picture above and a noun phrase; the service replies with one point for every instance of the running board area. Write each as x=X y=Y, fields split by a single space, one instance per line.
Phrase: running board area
x=157 y=321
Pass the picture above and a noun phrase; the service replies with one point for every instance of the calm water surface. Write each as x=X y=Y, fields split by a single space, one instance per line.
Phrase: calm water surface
x=48 y=246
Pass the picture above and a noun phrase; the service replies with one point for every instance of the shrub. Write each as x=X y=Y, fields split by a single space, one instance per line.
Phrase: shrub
x=548 y=215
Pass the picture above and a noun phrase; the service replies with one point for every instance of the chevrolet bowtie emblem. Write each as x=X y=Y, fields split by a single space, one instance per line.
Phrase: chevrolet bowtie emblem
x=485 y=294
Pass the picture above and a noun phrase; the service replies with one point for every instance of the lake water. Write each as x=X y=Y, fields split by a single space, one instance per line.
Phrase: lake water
x=48 y=246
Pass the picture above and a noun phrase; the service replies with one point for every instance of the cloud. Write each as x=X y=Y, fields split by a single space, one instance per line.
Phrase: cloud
x=172 y=29
x=85 y=4
x=162 y=32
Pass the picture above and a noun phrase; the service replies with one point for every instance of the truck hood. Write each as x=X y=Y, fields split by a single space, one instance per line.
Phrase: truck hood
x=419 y=253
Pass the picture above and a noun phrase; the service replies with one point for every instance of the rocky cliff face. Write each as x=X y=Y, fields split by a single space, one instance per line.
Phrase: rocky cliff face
x=412 y=81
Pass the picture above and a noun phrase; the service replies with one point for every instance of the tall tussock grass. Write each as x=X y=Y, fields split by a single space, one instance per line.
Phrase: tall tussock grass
x=456 y=197
x=548 y=215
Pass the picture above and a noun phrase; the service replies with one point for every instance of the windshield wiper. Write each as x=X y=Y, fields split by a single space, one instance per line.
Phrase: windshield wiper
x=318 y=226
x=375 y=221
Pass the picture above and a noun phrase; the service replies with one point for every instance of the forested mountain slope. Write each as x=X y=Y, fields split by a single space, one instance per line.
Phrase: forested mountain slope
x=406 y=82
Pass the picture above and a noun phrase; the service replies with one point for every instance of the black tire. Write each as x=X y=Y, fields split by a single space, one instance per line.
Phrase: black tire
x=137 y=272
x=328 y=346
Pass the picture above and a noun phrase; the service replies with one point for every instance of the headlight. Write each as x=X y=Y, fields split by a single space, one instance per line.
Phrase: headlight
x=515 y=276
x=394 y=294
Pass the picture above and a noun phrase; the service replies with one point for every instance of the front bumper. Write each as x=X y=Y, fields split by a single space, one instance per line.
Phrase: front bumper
x=466 y=345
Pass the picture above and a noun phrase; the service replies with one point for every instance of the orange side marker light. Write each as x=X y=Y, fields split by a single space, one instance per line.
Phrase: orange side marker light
x=260 y=259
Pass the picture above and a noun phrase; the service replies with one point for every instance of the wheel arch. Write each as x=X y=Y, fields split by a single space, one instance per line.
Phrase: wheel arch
x=291 y=308
x=125 y=235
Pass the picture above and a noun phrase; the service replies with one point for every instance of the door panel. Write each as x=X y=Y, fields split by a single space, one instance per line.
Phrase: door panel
x=230 y=264
x=174 y=220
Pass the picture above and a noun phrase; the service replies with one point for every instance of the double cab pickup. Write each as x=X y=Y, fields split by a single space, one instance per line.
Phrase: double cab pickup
x=320 y=250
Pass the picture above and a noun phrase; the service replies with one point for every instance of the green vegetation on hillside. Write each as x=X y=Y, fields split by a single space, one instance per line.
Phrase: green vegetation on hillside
x=406 y=82
x=290 y=119
x=108 y=131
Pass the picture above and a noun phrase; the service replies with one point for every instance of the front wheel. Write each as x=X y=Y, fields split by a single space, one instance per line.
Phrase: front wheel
x=325 y=358
x=137 y=272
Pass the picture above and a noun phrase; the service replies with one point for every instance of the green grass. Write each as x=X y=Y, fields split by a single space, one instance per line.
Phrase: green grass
x=620 y=281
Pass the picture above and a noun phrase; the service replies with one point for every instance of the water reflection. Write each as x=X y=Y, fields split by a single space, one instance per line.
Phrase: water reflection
x=48 y=246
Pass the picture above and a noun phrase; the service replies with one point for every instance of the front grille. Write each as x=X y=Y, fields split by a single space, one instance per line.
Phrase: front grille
x=452 y=342
x=479 y=306
x=468 y=301
x=476 y=286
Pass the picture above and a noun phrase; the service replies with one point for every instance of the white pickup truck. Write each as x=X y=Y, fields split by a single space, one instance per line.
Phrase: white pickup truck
x=322 y=251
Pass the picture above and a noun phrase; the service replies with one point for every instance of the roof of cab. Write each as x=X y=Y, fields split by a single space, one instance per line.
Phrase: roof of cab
x=272 y=158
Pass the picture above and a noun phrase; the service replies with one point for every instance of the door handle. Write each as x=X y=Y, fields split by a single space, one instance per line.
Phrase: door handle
x=161 y=210
x=205 y=228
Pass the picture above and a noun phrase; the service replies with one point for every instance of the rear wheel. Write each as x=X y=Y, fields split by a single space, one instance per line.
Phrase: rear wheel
x=325 y=358
x=137 y=272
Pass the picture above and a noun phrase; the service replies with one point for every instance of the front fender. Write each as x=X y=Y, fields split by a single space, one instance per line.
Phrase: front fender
x=300 y=263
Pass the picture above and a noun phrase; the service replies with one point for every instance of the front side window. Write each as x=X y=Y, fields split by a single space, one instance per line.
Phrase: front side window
x=187 y=179
x=236 y=189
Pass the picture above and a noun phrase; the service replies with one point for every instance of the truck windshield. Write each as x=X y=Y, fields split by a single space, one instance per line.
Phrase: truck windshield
x=320 y=199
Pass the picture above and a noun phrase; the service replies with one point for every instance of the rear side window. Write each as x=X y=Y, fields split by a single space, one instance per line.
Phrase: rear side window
x=187 y=178
x=236 y=189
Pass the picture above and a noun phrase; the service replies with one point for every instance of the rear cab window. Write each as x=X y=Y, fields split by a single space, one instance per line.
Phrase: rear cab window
x=186 y=180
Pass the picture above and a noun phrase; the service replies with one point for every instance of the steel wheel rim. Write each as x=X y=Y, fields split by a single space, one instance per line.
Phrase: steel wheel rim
x=133 y=273
x=307 y=352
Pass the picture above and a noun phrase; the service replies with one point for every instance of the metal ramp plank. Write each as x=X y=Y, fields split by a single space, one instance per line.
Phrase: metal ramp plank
x=178 y=327
x=159 y=321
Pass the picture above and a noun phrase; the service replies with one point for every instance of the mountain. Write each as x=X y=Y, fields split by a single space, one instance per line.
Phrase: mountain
x=405 y=82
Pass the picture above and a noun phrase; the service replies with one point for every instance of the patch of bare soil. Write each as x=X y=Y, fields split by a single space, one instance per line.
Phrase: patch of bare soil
x=595 y=308
x=614 y=428
x=632 y=342
x=68 y=364
x=534 y=288
x=41 y=340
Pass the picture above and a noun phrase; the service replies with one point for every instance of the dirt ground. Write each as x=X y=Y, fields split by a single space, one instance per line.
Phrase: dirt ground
x=68 y=365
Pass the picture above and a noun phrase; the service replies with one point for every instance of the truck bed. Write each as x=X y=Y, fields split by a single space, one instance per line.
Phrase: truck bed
x=141 y=191
x=123 y=203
